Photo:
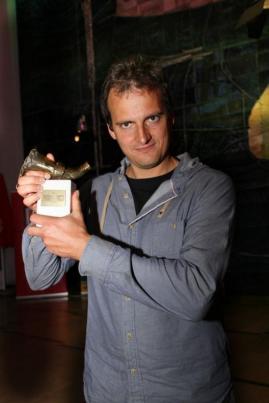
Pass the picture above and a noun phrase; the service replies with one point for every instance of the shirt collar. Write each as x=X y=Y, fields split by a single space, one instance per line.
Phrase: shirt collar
x=186 y=163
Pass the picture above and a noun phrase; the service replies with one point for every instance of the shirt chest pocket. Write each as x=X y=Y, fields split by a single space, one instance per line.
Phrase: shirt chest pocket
x=167 y=238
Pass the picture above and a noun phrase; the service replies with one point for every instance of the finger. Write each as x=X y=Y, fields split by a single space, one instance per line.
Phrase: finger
x=28 y=184
x=38 y=174
x=30 y=180
x=33 y=207
x=76 y=206
x=31 y=200
x=42 y=219
x=33 y=230
x=50 y=157
x=27 y=190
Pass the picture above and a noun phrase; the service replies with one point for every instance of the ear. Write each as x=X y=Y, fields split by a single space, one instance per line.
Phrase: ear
x=171 y=121
x=111 y=132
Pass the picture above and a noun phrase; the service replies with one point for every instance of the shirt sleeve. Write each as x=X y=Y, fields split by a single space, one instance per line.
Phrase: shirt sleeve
x=42 y=268
x=185 y=286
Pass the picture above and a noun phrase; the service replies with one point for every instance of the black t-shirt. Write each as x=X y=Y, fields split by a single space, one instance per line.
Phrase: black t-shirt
x=142 y=189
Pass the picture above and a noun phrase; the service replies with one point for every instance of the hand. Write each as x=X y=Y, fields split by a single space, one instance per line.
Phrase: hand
x=29 y=186
x=63 y=236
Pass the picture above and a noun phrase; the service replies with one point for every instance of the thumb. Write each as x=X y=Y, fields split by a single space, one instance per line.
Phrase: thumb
x=50 y=157
x=76 y=206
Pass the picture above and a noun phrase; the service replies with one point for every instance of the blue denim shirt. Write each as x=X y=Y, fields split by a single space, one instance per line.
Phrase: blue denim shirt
x=153 y=332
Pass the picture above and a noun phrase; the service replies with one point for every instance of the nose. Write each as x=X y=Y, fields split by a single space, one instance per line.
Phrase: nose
x=143 y=134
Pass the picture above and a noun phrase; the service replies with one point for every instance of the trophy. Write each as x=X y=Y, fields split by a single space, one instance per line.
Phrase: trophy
x=55 y=199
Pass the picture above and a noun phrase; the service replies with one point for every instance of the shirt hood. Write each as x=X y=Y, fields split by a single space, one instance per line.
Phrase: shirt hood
x=186 y=168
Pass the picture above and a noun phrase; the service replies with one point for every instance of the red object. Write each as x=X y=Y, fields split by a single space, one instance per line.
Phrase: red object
x=135 y=8
x=22 y=288
x=6 y=238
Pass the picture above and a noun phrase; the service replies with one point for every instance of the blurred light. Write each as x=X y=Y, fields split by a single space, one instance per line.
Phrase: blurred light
x=82 y=124
x=76 y=138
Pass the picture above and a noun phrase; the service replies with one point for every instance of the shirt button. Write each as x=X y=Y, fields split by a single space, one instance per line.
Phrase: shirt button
x=127 y=298
x=125 y=196
x=131 y=226
x=129 y=336
x=133 y=371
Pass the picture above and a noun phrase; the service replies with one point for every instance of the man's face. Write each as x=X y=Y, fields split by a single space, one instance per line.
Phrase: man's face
x=140 y=125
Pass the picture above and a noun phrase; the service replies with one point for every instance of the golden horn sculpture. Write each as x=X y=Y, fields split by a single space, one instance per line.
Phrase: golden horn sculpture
x=38 y=162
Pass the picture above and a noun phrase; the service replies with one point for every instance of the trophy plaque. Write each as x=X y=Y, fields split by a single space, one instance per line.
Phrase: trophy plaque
x=55 y=199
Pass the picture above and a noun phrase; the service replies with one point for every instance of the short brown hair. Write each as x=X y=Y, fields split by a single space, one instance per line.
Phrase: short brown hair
x=134 y=72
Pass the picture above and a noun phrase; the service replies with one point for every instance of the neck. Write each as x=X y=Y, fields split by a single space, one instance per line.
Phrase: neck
x=163 y=168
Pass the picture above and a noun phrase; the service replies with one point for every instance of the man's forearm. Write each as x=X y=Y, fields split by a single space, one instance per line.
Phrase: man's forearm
x=42 y=268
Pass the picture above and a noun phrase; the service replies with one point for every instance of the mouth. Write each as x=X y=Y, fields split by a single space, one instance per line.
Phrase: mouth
x=145 y=147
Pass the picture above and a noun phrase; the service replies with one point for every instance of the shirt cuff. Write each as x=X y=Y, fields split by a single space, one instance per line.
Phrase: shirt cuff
x=96 y=257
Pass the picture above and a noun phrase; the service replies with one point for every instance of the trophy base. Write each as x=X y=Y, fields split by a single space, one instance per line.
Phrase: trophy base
x=55 y=199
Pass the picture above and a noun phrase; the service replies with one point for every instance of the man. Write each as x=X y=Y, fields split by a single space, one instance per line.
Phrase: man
x=155 y=262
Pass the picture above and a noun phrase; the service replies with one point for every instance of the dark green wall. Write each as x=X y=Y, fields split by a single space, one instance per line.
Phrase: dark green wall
x=53 y=75
x=212 y=96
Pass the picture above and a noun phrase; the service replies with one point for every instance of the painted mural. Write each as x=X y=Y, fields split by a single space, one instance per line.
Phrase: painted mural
x=135 y=8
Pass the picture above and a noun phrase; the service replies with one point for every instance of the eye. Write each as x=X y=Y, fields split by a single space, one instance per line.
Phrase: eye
x=126 y=125
x=153 y=118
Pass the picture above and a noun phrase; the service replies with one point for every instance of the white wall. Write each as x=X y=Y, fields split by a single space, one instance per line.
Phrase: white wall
x=11 y=145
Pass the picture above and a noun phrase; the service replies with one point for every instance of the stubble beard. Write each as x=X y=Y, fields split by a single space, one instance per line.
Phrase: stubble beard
x=151 y=165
